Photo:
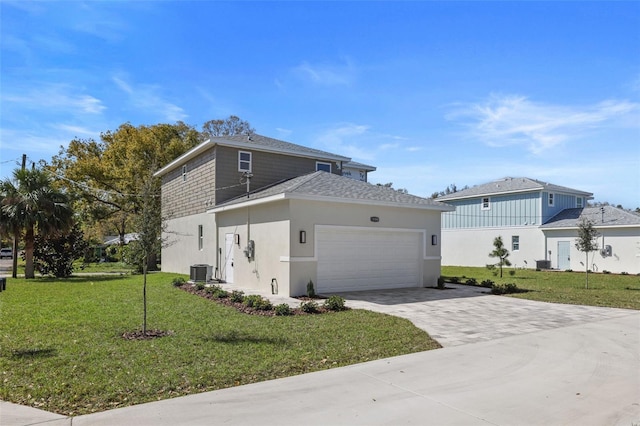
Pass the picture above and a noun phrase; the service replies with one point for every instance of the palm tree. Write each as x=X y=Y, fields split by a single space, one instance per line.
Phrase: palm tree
x=31 y=205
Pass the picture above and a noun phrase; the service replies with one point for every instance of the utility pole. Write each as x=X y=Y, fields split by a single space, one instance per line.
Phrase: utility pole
x=248 y=176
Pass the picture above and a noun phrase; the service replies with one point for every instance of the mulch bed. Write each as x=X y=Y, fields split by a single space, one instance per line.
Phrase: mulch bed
x=190 y=288
x=150 y=334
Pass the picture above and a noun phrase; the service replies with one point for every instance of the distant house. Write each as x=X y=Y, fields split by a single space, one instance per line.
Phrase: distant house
x=270 y=214
x=538 y=224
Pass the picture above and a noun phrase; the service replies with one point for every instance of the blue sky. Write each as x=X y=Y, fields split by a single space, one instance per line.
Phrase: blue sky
x=431 y=93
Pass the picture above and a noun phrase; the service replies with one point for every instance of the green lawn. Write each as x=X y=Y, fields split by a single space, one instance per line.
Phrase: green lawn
x=611 y=290
x=61 y=348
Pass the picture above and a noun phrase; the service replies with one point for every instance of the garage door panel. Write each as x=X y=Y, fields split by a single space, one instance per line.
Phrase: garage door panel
x=351 y=259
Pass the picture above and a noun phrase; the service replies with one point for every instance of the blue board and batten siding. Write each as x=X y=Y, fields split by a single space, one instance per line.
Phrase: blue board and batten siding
x=560 y=202
x=504 y=211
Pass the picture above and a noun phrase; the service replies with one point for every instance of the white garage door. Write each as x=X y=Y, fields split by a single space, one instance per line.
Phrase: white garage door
x=352 y=259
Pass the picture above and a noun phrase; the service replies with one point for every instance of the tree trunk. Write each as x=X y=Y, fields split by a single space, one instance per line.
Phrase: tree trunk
x=586 y=270
x=14 y=273
x=144 y=298
x=29 y=270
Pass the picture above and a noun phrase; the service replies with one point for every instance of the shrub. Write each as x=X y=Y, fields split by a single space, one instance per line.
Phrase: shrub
x=454 y=280
x=217 y=291
x=199 y=286
x=237 y=296
x=568 y=270
x=310 y=307
x=54 y=254
x=512 y=272
x=441 y=283
x=491 y=267
x=487 y=283
x=283 y=309
x=178 y=281
x=471 y=281
x=335 y=303
x=505 y=289
x=311 y=292
x=624 y=273
x=257 y=302
x=604 y=271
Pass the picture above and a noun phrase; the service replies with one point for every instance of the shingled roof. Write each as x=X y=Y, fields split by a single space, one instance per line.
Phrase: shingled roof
x=511 y=185
x=330 y=187
x=605 y=216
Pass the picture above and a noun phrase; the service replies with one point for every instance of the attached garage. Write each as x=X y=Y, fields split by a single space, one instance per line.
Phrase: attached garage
x=339 y=233
x=352 y=258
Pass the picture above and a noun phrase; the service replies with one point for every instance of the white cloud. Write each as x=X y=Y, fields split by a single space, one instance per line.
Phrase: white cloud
x=283 y=133
x=327 y=74
x=146 y=97
x=516 y=120
x=58 y=97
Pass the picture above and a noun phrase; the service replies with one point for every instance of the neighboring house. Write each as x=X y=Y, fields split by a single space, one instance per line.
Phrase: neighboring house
x=523 y=212
x=301 y=220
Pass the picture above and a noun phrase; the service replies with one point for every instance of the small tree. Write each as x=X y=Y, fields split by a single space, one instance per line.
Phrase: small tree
x=586 y=242
x=54 y=254
x=501 y=253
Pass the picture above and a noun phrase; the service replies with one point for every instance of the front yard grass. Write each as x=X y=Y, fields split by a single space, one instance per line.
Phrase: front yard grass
x=610 y=290
x=61 y=348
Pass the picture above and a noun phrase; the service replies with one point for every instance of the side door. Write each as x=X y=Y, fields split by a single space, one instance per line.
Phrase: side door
x=228 y=257
x=564 y=255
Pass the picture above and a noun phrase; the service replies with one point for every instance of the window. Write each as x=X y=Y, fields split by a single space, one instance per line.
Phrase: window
x=325 y=167
x=579 y=202
x=551 y=199
x=184 y=173
x=515 y=242
x=244 y=161
x=200 y=237
x=485 y=203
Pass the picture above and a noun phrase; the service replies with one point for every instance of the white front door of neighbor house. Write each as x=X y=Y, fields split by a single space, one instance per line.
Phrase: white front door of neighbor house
x=352 y=258
x=228 y=257
x=564 y=255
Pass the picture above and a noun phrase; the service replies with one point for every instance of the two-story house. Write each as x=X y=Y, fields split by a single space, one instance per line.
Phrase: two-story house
x=538 y=223
x=274 y=215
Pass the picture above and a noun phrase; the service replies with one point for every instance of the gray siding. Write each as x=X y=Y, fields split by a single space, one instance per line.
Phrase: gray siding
x=195 y=194
x=267 y=169
x=504 y=211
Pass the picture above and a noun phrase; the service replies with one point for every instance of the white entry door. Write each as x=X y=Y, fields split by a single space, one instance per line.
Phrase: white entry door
x=364 y=259
x=564 y=255
x=229 y=241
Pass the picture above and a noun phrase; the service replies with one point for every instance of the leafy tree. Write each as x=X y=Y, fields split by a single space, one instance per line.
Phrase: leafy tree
x=54 y=254
x=227 y=127
x=448 y=190
x=31 y=205
x=390 y=185
x=106 y=176
x=587 y=242
x=501 y=253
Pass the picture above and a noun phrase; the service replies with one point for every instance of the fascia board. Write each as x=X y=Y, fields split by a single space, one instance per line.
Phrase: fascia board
x=305 y=197
x=248 y=203
x=194 y=152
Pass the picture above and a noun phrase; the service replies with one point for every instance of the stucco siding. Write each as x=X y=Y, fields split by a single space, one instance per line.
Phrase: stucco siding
x=625 y=250
x=268 y=226
x=181 y=248
x=471 y=247
x=193 y=195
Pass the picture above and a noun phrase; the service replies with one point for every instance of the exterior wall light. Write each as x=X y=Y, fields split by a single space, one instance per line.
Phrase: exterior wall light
x=434 y=240
x=303 y=237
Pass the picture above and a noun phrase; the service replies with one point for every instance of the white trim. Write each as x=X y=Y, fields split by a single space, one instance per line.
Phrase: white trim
x=240 y=161
x=324 y=163
x=286 y=196
x=298 y=259
x=257 y=147
x=488 y=207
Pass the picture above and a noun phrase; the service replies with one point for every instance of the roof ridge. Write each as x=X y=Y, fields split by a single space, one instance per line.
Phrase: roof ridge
x=306 y=179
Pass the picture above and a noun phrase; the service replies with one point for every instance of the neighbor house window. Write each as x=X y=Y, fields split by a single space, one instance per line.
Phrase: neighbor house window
x=515 y=242
x=200 y=237
x=184 y=173
x=579 y=202
x=244 y=161
x=325 y=167
x=551 y=199
x=485 y=203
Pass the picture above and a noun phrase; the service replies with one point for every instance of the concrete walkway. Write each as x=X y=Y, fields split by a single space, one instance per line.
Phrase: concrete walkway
x=505 y=361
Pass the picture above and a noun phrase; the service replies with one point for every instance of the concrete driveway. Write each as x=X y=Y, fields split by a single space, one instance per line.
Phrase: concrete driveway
x=505 y=362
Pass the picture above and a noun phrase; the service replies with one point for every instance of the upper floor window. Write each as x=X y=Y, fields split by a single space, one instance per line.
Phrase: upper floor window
x=184 y=173
x=244 y=161
x=515 y=242
x=551 y=199
x=325 y=167
x=579 y=202
x=486 y=204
